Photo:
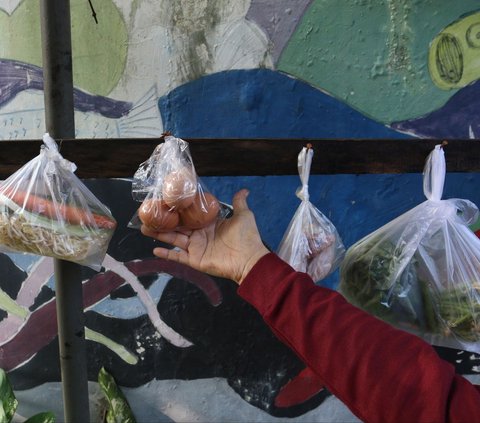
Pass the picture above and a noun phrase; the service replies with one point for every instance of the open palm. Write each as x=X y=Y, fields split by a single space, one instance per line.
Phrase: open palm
x=226 y=248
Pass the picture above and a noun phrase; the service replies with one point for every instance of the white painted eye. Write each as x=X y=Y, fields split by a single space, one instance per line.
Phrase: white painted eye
x=473 y=35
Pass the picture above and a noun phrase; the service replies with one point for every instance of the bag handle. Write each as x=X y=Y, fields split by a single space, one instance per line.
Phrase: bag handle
x=434 y=173
x=50 y=149
x=304 y=164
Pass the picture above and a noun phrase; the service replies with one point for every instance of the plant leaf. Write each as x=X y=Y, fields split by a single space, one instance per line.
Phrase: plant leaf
x=45 y=417
x=119 y=411
x=7 y=397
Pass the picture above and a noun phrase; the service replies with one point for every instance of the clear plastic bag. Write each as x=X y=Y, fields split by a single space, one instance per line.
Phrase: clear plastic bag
x=172 y=195
x=421 y=271
x=46 y=210
x=311 y=243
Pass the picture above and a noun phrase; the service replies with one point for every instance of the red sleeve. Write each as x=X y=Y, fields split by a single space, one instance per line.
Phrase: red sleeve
x=382 y=374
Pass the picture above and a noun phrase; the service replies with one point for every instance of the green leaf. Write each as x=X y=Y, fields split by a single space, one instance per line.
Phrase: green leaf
x=118 y=409
x=7 y=397
x=45 y=417
x=3 y=416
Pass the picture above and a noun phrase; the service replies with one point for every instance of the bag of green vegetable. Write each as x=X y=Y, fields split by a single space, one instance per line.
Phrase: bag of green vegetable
x=421 y=271
x=311 y=243
x=46 y=210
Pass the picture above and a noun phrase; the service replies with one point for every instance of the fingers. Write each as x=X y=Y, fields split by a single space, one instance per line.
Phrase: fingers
x=239 y=201
x=148 y=232
x=176 y=239
x=171 y=254
x=179 y=240
x=161 y=252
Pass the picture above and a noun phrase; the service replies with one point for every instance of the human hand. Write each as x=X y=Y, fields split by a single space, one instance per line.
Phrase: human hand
x=227 y=248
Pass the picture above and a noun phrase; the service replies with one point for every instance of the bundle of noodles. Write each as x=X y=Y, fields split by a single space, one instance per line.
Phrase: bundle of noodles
x=39 y=225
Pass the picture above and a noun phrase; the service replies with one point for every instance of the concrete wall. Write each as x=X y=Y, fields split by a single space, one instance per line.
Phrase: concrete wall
x=226 y=68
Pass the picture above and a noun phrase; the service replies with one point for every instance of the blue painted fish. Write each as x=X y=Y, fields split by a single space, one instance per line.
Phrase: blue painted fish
x=96 y=116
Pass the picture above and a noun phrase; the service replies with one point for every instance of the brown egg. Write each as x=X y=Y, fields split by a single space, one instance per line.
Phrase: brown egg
x=179 y=188
x=158 y=216
x=201 y=213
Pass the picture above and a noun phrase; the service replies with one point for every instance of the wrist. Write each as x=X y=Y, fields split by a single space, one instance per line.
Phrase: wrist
x=254 y=258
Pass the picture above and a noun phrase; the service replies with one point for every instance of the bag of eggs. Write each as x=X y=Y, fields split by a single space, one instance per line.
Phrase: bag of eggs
x=171 y=194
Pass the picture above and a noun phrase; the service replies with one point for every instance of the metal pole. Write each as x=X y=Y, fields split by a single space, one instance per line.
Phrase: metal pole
x=59 y=120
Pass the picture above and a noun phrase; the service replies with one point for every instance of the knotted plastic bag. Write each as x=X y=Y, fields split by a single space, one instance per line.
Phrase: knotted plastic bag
x=172 y=195
x=46 y=210
x=421 y=271
x=311 y=243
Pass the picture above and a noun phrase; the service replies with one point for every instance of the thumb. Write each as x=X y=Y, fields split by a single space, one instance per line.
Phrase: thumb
x=239 y=201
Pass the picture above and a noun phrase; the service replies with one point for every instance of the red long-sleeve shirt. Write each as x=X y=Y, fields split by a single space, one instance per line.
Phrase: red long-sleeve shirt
x=381 y=374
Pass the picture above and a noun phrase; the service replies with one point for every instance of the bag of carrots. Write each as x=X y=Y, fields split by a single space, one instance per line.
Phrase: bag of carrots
x=172 y=195
x=311 y=243
x=46 y=210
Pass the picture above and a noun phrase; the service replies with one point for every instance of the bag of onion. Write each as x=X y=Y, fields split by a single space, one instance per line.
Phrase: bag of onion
x=171 y=194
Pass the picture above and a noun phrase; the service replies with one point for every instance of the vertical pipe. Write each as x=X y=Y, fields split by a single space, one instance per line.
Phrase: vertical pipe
x=59 y=120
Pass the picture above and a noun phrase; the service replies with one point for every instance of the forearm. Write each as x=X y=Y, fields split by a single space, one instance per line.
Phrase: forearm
x=380 y=373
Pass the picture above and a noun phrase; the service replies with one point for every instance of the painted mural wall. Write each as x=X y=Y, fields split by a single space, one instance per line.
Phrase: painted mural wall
x=182 y=345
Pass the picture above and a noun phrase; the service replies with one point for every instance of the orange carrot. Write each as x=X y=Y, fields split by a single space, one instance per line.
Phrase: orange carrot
x=56 y=211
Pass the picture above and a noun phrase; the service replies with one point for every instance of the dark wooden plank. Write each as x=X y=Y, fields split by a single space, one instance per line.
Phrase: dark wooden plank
x=111 y=158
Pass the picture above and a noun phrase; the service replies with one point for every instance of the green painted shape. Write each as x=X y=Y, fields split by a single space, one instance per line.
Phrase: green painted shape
x=21 y=36
x=99 y=50
x=117 y=348
x=373 y=54
x=8 y=304
x=454 y=59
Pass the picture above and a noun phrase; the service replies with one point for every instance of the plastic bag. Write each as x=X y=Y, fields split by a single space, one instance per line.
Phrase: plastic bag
x=311 y=243
x=172 y=195
x=421 y=271
x=46 y=210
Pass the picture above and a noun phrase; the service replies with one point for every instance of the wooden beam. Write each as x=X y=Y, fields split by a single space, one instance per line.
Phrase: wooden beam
x=120 y=157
